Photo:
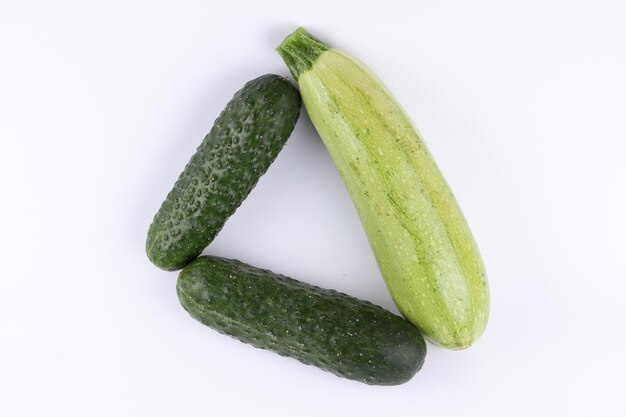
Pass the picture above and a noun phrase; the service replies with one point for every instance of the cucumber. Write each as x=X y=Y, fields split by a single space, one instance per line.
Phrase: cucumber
x=421 y=241
x=351 y=338
x=244 y=141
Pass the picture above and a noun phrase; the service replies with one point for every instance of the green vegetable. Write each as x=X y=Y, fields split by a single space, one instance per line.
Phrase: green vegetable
x=341 y=334
x=244 y=141
x=422 y=243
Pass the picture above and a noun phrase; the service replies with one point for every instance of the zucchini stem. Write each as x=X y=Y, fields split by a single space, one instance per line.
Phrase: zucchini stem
x=300 y=50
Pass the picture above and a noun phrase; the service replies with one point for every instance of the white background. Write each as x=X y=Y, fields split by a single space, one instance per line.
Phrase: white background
x=523 y=105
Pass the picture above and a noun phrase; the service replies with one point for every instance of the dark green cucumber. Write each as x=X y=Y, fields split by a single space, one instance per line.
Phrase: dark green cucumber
x=351 y=338
x=244 y=141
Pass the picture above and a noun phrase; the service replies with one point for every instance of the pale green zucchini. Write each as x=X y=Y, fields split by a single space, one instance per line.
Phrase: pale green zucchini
x=423 y=245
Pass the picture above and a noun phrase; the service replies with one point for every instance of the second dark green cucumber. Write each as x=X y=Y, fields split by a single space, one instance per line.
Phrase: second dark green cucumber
x=244 y=141
x=349 y=337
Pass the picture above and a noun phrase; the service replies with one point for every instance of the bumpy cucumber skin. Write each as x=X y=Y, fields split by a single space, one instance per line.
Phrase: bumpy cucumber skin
x=244 y=141
x=351 y=338
x=421 y=240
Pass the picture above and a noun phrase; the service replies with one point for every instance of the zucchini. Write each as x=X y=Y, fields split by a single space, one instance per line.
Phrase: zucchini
x=421 y=241
x=351 y=338
x=244 y=141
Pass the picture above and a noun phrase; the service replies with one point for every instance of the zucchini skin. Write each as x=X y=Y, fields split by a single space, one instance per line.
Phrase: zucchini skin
x=351 y=338
x=245 y=139
x=421 y=241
